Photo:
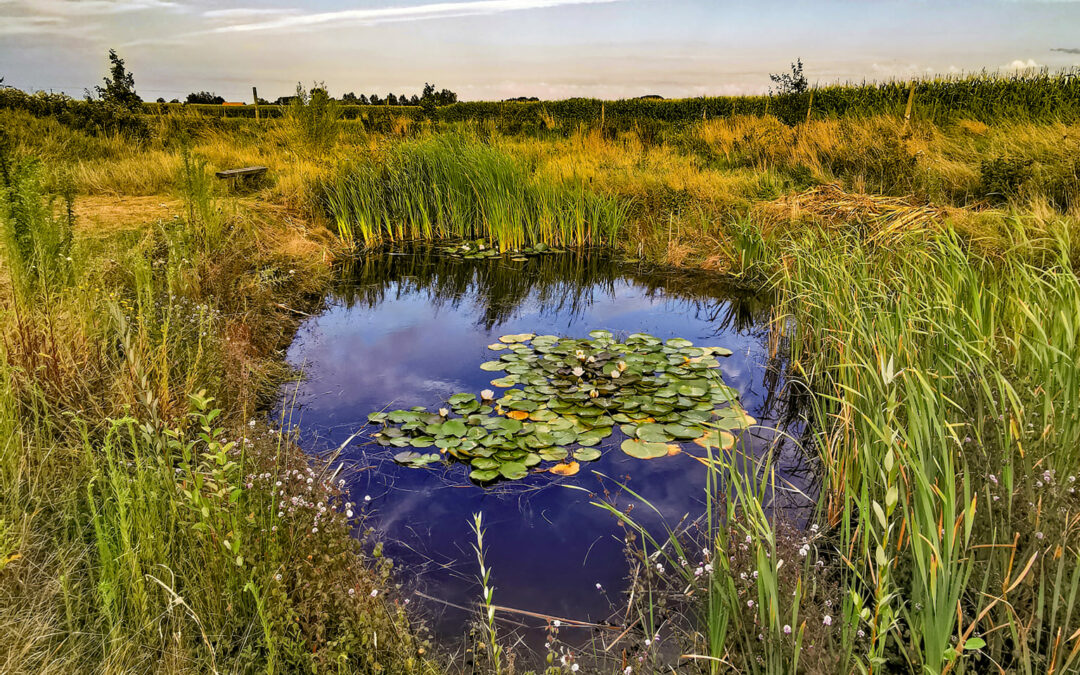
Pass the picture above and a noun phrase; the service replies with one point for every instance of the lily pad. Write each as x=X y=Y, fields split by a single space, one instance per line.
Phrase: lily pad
x=513 y=470
x=520 y=337
x=644 y=450
x=586 y=454
x=415 y=459
x=568 y=469
x=483 y=475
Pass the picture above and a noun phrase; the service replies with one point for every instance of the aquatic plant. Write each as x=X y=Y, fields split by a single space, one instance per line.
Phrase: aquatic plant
x=573 y=393
x=455 y=187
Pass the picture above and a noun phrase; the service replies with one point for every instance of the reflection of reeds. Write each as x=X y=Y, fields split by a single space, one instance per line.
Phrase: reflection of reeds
x=565 y=283
x=457 y=187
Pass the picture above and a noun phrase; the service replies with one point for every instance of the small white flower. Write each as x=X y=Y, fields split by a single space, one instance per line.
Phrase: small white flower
x=367 y=498
x=349 y=513
x=659 y=568
x=750 y=604
x=487 y=395
x=556 y=623
x=374 y=592
x=314 y=530
x=277 y=577
x=352 y=591
x=578 y=371
x=443 y=412
x=1039 y=535
x=627 y=670
x=827 y=620
x=599 y=587
x=787 y=629
x=574 y=668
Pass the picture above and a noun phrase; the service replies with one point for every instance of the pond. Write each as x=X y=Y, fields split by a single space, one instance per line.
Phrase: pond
x=411 y=328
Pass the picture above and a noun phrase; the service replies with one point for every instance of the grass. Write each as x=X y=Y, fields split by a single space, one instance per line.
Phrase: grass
x=452 y=187
x=927 y=302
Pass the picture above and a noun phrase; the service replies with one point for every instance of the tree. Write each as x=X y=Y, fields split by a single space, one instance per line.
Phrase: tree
x=161 y=99
x=363 y=99
x=445 y=97
x=120 y=86
x=415 y=100
x=208 y=97
x=391 y=99
x=349 y=98
x=793 y=83
x=375 y=100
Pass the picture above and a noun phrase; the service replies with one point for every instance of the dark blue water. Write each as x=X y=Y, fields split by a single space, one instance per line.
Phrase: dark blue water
x=411 y=330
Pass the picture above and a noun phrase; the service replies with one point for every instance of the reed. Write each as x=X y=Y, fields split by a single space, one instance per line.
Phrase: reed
x=455 y=187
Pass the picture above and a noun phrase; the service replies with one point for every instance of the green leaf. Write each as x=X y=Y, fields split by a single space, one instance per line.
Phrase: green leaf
x=483 y=475
x=454 y=428
x=513 y=470
x=644 y=450
x=586 y=454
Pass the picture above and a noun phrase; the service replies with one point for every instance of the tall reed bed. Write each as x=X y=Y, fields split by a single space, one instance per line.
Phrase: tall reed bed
x=456 y=187
x=949 y=443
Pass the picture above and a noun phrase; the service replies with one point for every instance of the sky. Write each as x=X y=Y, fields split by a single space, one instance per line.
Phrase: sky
x=496 y=49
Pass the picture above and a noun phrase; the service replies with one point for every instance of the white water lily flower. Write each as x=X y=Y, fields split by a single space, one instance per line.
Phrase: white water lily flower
x=580 y=354
x=593 y=393
x=621 y=366
x=443 y=412
x=487 y=395
x=615 y=374
x=578 y=371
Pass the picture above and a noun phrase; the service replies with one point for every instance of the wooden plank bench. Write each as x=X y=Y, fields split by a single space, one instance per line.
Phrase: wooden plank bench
x=245 y=172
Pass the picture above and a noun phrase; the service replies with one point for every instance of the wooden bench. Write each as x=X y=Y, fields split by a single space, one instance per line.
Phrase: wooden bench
x=246 y=172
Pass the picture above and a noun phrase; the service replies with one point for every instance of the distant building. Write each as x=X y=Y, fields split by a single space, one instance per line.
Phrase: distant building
x=234 y=103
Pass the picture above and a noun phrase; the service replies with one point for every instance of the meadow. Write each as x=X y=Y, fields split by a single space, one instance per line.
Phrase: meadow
x=926 y=301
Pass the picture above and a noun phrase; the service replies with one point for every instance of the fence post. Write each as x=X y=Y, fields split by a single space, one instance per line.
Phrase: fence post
x=810 y=106
x=255 y=95
x=910 y=102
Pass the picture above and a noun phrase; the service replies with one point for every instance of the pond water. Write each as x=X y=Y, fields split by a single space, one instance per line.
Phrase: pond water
x=406 y=329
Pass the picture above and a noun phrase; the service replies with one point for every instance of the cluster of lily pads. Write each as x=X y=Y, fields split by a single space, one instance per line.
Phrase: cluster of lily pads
x=479 y=249
x=562 y=397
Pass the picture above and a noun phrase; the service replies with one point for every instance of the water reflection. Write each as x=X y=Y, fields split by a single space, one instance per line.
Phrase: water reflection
x=410 y=328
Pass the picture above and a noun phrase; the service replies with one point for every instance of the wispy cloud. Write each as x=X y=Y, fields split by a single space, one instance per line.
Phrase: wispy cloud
x=69 y=17
x=441 y=10
x=1066 y=50
x=82 y=8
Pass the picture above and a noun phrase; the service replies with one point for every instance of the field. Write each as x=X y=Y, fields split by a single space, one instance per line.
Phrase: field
x=922 y=271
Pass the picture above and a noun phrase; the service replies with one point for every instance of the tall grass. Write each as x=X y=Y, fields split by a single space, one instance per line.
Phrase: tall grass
x=949 y=443
x=456 y=187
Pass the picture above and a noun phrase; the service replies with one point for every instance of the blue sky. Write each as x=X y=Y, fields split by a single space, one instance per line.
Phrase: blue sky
x=494 y=49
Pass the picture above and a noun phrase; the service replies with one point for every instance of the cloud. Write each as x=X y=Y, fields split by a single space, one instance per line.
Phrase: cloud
x=30 y=25
x=247 y=13
x=1020 y=64
x=368 y=17
x=68 y=17
x=82 y=8
x=1066 y=50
